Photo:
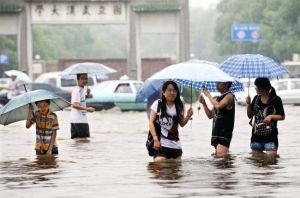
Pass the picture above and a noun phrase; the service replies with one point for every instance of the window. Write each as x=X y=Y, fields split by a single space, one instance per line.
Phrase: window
x=282 y=86
x=123 y=88
x=295 y=85
x=68 y=82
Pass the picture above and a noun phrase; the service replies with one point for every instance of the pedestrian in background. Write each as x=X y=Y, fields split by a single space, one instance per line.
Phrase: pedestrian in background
x=12 y=87
x=79 y=123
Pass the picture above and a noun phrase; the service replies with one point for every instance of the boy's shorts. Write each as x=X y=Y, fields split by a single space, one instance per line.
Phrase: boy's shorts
x=80 y=130
x=54 y=151
x=263 y=146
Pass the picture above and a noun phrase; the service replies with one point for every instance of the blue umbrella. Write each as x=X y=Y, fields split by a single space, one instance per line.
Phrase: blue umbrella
x=150 y=88
x=17 y=108
x=252 y=66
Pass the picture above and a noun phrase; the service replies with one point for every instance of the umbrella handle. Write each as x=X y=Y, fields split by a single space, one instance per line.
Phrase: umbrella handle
x=249 y=86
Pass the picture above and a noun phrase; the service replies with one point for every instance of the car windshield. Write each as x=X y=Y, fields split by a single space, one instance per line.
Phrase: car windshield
x=72 y=82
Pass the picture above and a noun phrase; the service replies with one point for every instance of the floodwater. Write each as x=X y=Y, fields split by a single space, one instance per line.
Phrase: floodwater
x=114 y=161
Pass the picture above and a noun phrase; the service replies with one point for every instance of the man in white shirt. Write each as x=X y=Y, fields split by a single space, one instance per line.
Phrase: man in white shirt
x=79 y=123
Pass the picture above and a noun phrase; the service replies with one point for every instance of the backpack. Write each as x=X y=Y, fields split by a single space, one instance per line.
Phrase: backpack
x=150 y=140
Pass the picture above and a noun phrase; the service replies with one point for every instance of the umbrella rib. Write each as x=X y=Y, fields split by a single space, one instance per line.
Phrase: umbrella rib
x=57 y=105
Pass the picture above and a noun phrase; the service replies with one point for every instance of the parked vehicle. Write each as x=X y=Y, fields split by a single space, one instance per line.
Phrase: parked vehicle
x=55 y=79
x=35 y=86
x=288 y=89
x=241 y=96
x=120 y=93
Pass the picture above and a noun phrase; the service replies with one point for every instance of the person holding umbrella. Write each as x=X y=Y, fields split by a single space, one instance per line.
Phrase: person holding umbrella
x=223 y=117
x=79 y=123
x=266 y=108
x=46 y=128
x=12 y=87
x=171 y=114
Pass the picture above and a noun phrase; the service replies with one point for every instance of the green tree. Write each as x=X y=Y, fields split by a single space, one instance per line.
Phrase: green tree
x=280 y=23
x=8 y=46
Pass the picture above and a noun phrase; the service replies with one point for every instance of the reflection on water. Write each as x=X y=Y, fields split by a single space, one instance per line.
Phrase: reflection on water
x=224 y=174
x=114 y=161
x=24 y=173
x=166 y=170
x=263 y=160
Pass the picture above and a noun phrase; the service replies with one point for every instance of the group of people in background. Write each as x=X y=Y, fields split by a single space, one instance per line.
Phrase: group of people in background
x=264 y=110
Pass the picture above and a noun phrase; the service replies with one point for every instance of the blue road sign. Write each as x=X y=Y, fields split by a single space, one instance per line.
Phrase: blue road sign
x=245 y=32
x=4 y=60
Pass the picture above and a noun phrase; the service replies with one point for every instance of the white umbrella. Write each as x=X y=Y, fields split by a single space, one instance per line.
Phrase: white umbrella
x=21 y=76
x=94 y=69
x=197 y=74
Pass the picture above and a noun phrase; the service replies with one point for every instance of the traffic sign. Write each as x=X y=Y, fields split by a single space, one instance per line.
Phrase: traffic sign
x=245 y=32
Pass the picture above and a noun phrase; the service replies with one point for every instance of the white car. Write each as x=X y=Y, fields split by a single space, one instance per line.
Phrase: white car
x=55 y=79
x=241 y=96
x=288 y=89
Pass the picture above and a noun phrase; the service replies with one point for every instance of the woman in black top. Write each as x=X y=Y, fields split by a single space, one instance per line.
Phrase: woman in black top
x=265 y=110
x=223 y=117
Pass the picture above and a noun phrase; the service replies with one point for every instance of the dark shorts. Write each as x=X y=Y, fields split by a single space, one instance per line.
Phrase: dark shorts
x=80 y=130
x=220 y=140
x=168 y=153
x=54 y=151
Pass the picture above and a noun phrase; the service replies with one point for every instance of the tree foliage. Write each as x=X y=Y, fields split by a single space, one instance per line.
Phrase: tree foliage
x=280 y=26
x=8 y=46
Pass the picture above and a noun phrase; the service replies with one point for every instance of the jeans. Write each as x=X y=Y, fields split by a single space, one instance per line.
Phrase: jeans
x=263 y=146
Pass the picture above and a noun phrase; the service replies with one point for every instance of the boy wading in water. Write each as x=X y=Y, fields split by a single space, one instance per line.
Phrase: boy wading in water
x=46 y=128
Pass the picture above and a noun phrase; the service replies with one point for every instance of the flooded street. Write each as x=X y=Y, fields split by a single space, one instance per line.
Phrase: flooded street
x=114 y=161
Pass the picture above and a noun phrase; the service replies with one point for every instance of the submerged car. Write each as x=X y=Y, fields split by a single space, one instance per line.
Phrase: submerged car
x=35 y=86
x=116 y=93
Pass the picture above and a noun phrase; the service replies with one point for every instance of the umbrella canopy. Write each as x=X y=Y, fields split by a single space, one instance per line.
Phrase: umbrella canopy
x=21 y=76
x=17 y=108
x=252 y=66
x=151 y=88
x=89 y=68
x=197 y=74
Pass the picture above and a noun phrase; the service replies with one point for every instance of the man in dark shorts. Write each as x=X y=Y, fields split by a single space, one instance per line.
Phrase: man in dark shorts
x=79 y=123
x=223 y=117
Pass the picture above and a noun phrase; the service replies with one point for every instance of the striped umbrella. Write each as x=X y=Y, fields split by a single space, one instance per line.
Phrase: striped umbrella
x=252 y=66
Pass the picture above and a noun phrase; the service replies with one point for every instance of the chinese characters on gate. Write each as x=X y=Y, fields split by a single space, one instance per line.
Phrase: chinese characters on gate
x=77 y=12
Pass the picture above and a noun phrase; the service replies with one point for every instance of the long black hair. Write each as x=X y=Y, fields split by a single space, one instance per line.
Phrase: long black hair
x=265 y=84
x=178 y=103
